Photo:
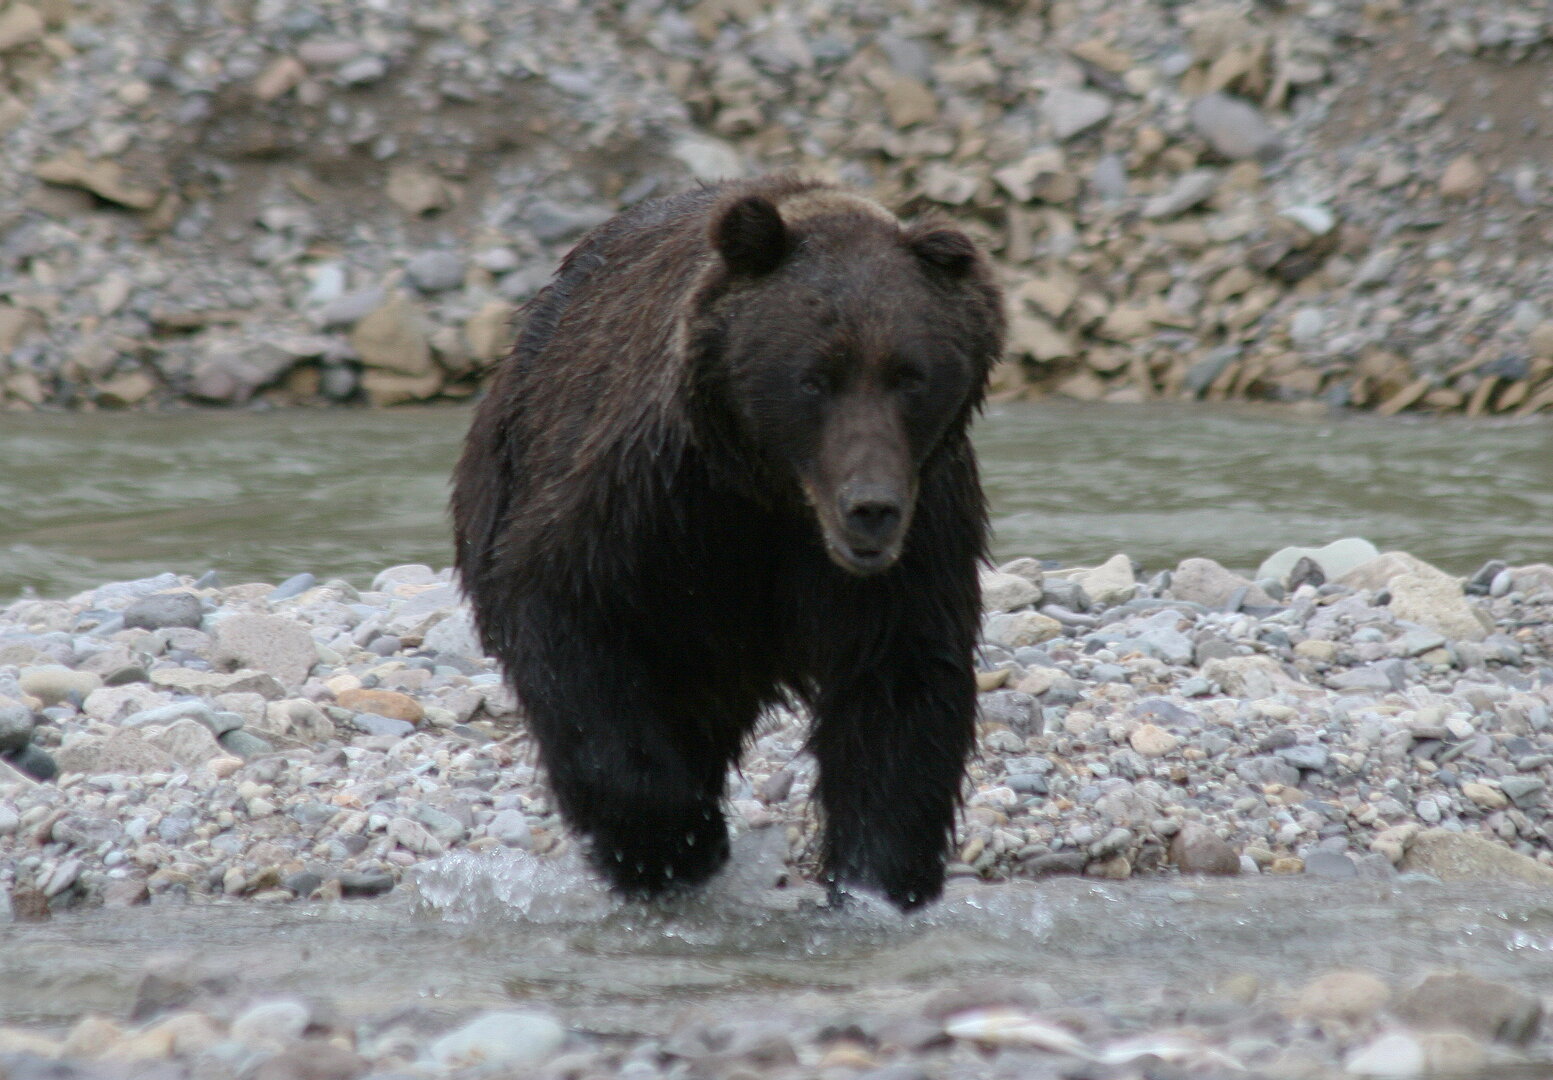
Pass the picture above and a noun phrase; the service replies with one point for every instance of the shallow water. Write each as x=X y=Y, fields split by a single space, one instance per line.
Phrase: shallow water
x=261 y=496
x=493 y=930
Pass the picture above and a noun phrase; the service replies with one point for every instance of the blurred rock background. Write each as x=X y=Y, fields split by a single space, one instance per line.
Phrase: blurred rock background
x=289 y=202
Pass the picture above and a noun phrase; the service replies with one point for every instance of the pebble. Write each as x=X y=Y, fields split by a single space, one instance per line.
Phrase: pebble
x=436 y=271
x=1234 y=127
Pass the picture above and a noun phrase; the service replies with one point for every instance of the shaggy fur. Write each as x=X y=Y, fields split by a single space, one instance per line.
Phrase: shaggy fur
x=725 y=465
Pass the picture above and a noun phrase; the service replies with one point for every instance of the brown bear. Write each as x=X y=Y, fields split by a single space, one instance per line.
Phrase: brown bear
x=726 y=465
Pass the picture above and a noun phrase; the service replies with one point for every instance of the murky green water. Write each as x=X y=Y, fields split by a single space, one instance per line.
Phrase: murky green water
x=623 y=969
x=261 y=496
x=612 y=968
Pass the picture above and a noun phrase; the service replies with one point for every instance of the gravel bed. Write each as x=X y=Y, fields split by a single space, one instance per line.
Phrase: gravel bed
x=1345 y=201
x=1348 y=715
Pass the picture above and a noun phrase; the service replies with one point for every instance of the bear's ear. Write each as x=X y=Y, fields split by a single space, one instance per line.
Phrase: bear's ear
x=750 y=236
x=945 y=249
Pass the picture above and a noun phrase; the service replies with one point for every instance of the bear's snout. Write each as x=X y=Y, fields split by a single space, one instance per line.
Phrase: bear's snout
x=872 y=524
x=872 y=517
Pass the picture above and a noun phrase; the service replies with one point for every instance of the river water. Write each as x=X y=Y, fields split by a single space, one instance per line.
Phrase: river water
x=261 y=496
x=491 y=931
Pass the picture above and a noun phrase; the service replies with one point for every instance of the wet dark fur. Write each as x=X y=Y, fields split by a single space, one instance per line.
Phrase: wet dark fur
x=651 y=577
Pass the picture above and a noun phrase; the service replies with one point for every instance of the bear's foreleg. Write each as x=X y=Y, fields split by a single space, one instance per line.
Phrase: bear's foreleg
x=640 y=783
x=892 y=743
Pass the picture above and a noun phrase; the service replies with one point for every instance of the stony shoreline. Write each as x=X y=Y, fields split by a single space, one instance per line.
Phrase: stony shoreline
x=171 y=741
x=1345 y=202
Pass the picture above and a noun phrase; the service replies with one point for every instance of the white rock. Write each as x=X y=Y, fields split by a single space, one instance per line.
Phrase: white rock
x=1335 y=559
x=1005 y=592
x=510 y=1039
x=1111 y=582
x=1390 y=1057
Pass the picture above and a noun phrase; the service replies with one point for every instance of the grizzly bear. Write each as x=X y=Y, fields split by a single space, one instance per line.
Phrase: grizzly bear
x=726 y=466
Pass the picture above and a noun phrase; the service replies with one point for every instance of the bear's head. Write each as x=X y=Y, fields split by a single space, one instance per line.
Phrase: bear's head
x=843 y=350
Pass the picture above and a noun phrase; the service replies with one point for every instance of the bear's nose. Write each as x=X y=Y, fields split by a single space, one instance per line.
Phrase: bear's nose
x=872 y=516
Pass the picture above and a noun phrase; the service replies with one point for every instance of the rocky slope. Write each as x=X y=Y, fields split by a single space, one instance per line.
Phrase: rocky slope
x=283 y=202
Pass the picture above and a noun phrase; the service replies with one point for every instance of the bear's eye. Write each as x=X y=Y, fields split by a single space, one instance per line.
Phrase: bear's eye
x=910 y=380
x=812 y=384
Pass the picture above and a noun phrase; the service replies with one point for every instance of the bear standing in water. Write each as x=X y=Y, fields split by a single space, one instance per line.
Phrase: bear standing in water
x=727 y=465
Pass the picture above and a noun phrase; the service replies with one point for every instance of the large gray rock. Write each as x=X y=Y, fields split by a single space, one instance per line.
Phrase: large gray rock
x=1437 y=602
x=1006 y=592
x=54 y=683
x=164 y=610
x=233 y=370
x=188 y=742
x=1452 y=856
x=125 y=752
x=16 y=725
x=212 y=683
x=1197 y=849
x=1205 y=582
x=269 y=643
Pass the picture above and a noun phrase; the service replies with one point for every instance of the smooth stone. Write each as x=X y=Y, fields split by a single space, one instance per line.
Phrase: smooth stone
x=1189 y=190
x=165 y=609
x=1112 y=582
x=1020 y=629
x=455 y=635
x=359 y=883
x=245 y=744
x=1055 y=862
x=1330 y=864
x=1197 y=849
x=1153 y=741
x=33 y=762
x=1377 y=573
x=1071 y=112
x=1311 y=756
x=1350 y=996
x=54 y=683
x=1472 y=1004
x=435 y=271
x=16 y=726
x=295 y=585
x=1006 y=592
x=389 y=703
x=1205 y=582
x=509 y=1039
x=271 y=643
x=125 y=751
x=189 y=743
x=1019 y=712
x=215 y=683
x=373 y=724
x=1396 y=1056
x=162 y=715
x=1524 y=791
x=1451 y=856
x=512 y=828
x=1166 y=644
x=1234 y=128
x=272 y=1023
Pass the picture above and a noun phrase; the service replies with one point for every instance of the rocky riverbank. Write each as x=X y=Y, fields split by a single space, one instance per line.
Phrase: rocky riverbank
x=1346 y=201
x=1349 y=715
